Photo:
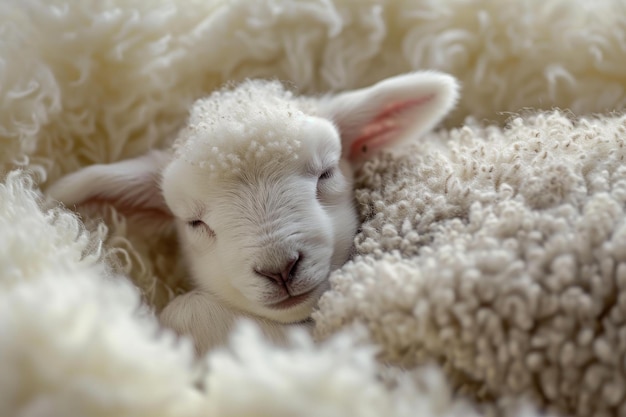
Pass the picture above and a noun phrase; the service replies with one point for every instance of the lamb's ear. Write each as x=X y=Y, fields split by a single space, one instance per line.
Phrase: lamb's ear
x=132 y=186
x=380 y=116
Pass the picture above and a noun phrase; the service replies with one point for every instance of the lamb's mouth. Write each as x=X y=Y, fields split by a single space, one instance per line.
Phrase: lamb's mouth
x=292 y=301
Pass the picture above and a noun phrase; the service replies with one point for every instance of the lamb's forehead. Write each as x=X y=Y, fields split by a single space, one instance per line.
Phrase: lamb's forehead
x=256 y=122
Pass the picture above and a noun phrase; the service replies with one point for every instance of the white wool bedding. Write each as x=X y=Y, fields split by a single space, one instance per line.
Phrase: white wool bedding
x=490 y=274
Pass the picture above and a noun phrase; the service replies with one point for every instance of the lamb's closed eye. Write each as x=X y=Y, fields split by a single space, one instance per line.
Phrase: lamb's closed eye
x=326 y=174
x=244 y=153
x=196 y=224
x=327 y=183
x=201 y=226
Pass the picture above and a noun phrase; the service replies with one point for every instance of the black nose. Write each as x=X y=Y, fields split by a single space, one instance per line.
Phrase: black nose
x=286 y=272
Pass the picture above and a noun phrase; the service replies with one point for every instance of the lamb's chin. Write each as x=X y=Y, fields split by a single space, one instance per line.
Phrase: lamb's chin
x=293 y=309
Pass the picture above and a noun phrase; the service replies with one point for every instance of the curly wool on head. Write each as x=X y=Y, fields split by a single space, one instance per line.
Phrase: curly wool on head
x=256 y=122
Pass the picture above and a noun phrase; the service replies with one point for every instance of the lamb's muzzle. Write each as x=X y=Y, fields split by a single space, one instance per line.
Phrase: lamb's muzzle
x=285 y=274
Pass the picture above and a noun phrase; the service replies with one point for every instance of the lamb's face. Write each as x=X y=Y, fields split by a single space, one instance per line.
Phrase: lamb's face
x=265 y=238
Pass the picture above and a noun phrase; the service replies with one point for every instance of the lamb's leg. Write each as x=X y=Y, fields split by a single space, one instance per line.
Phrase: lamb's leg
x=208 y=322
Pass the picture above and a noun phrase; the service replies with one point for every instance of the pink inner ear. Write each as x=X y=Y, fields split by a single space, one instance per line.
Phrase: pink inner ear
x=384 y=127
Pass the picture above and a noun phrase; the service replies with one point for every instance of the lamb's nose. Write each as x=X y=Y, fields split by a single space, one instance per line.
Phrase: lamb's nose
x=285 y=274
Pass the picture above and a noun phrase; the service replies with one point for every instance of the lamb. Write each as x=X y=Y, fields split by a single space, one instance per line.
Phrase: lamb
x=259 y=186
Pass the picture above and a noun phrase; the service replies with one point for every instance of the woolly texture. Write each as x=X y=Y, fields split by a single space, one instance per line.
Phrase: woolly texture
x=509 y=277
x=66 y=324
x=257 y=122
x=502 y=253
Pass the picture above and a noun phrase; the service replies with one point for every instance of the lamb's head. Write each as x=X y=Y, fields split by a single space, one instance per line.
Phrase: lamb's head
x=259 y=184
x=262 y=199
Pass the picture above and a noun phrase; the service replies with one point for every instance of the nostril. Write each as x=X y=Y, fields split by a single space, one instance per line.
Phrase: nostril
x=286 y=273
x=273 y=276
x=292 y=267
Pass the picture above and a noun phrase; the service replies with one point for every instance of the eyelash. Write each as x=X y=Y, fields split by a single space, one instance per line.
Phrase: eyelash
x=326 y=174
x=197 y=224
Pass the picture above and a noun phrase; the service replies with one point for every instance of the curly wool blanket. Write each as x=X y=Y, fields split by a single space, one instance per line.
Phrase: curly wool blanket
x=490 y=271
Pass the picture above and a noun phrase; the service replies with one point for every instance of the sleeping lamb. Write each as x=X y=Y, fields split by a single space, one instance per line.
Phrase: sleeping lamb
x=259 y=185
